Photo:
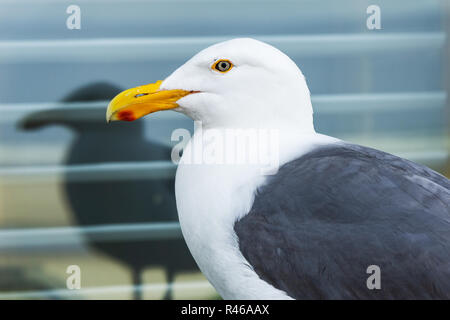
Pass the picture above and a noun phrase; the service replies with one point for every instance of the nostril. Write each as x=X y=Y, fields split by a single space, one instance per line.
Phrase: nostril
x=140 y=95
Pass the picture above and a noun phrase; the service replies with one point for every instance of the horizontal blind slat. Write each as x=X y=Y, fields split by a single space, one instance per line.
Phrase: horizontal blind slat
x=108 y=291
x=332 y=103
x=137 y=170
x=141 y=49
x=46 y=239
x=88 y=172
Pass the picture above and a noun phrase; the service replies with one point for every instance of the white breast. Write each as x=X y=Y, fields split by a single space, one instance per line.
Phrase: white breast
x=210 y=198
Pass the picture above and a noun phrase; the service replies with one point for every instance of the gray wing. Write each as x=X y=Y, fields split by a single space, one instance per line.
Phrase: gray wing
x=318 y=224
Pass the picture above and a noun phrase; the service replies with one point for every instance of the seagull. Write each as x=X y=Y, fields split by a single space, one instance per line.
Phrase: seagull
x=292 y=214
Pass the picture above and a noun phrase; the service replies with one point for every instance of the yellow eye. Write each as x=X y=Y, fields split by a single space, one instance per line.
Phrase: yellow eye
x=222 y=65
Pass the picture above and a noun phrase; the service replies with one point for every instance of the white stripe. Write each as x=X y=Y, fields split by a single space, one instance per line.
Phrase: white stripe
x=141 y=49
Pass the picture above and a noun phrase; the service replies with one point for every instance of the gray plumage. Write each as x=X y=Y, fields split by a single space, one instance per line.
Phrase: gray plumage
x=316 y=226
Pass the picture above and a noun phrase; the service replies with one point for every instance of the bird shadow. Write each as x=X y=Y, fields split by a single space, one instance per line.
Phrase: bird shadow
x=117 y=202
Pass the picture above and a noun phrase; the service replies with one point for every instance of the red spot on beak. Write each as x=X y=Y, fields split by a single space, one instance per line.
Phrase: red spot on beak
x=126 y=115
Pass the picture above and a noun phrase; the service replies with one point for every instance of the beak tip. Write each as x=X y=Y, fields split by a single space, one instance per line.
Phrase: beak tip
x=109 y=113
x=134 y=103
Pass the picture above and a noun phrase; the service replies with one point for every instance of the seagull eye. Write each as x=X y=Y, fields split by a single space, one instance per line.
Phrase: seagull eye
x=222 y=66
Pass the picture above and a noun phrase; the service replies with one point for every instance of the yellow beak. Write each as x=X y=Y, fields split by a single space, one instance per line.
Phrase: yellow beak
x=135 y=103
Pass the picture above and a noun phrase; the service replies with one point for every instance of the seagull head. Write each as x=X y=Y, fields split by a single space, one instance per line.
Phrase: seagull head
x=238 y=83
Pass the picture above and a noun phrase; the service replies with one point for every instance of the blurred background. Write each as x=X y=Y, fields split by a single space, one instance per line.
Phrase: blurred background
x=70 y=196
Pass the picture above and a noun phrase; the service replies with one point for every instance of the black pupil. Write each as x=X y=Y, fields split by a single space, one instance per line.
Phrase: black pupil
x=223 y=66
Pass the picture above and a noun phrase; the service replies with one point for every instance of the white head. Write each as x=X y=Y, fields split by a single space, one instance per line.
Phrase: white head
x=238 y=83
